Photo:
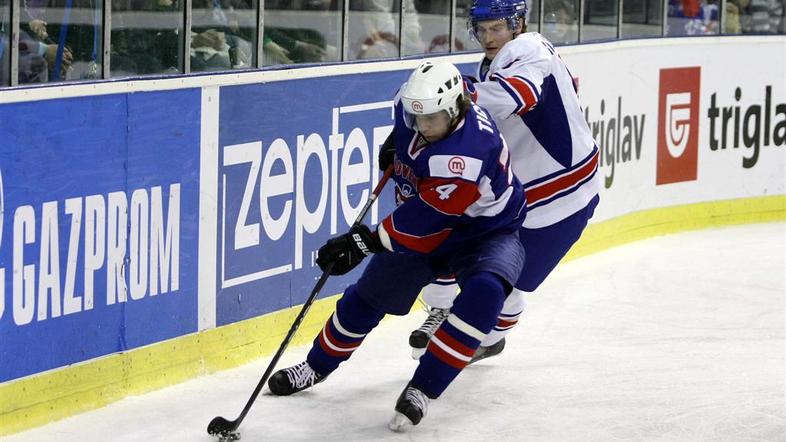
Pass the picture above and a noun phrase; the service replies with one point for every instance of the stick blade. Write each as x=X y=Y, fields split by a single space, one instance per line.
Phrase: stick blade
x=220 y=426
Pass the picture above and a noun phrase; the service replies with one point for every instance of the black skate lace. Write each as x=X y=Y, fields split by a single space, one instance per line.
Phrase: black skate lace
x=417 y=398
x=435 y=318
x=301 y=375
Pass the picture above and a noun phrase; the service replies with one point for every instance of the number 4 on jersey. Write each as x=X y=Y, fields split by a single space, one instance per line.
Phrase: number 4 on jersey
x=445 y=190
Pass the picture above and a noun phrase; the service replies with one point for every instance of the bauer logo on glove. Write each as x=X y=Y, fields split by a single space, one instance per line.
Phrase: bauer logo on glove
x=348 y=250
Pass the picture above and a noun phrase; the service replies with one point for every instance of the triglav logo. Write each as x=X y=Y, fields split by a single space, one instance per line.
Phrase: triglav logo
x=678 y=125
x=678 y=122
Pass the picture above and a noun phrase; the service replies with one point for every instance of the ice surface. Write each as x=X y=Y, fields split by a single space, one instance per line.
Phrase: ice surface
x=671 y=339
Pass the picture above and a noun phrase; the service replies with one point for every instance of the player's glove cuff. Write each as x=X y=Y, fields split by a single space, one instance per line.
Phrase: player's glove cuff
x=366 y=241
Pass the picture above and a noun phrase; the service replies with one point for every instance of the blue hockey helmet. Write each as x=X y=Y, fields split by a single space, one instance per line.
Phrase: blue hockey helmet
x=508 y=10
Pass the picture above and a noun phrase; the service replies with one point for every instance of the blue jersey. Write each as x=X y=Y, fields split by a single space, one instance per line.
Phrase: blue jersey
x=451 y=191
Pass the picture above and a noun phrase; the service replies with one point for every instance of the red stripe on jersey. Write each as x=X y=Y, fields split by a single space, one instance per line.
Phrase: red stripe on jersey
x=506 y=324
x=548 y=189
x=417 y=144
x=420 y=244
x=525 y=91
x=446 y=357
x=448 y=196
x=451 y=342
x=336 y=342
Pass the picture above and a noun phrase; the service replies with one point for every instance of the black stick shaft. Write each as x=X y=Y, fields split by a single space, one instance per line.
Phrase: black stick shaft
x=306 y=306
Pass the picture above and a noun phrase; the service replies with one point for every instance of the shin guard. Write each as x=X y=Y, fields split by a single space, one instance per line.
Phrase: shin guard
x=343 y=332
x=473 y=315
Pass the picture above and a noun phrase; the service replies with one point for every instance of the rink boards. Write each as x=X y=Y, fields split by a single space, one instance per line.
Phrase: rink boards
x=153 y=230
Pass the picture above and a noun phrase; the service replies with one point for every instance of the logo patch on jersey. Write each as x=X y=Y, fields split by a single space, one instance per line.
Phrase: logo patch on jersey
x=417 y=106
x=450 y=166
x=457 y=165
x=678 y=125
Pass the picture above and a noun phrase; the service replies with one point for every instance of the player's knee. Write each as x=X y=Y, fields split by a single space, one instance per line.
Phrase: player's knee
x=486 y=282
x=484 y=294
x=352 y=305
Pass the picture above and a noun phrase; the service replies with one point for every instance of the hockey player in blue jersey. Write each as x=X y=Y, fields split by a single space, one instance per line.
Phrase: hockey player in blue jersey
x=459 y=208
x=529 y=92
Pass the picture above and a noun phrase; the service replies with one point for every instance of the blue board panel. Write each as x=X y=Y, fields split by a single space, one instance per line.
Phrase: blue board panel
x=82 y=179
x=325 y=130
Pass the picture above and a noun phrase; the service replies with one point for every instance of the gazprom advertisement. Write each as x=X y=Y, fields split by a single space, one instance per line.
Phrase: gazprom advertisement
x=297 y=163
x=98 y=226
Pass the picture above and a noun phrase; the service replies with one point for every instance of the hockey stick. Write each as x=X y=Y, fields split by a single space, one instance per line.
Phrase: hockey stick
x=225 y=429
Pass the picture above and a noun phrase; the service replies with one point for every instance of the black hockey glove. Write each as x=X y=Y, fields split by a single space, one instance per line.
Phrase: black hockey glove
x=348 y=250
x=387 y=153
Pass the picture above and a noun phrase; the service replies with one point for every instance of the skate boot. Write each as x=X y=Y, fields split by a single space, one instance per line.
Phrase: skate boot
x=487 y=352
x=419 y=338
x=411 y=407
x=293 y=379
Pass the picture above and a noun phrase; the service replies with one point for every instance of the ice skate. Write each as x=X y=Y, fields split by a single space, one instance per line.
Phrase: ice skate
x=419 y=338
x=487 y=352
x=411 y=407
x=293 y=379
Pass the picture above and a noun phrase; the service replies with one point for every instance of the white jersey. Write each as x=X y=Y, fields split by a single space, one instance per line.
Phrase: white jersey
x=531 y=95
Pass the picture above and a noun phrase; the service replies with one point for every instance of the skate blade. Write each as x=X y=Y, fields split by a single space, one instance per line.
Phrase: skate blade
x=399 y=423
x=417 y=353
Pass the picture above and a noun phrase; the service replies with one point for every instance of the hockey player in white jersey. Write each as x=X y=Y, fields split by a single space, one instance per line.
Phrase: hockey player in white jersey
x=530 y=94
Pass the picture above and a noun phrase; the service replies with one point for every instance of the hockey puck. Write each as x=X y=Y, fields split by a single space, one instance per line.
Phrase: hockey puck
x=229 y=437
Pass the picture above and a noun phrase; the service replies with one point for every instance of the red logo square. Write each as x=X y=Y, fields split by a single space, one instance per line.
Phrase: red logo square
x=678 y=125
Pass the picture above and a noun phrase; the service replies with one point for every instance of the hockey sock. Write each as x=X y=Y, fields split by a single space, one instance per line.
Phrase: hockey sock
x=440 y=293
x=343 y=332
x=473 y=315
x=514 y=307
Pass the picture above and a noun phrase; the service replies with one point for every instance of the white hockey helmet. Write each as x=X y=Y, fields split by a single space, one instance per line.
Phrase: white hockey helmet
x=431 y=88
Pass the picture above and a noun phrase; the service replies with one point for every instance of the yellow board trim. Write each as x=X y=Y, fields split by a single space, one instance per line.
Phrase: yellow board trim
x=53 y=395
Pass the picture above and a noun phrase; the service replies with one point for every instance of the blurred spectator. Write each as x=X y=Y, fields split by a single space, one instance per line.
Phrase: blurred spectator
x=460 y=27
x=32 y=18
x=301 y=33
x=433 y=20
x=560 y=21
x=731 y=16
x=37 y=52
x=218 y=41
x=36 y=45
x=72 y=33
x=692 y=17
x=286 y=45
x=34 y=59
x=379 y=27
x=146 y=37
x=762 y=17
